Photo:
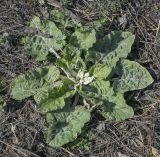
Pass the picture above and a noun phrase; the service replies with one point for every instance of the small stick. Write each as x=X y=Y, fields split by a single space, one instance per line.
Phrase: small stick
x=158 y=28
x=70 y=153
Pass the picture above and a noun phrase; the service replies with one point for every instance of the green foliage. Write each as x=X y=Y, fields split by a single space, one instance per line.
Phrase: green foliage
x=99 y=92
x=63 y=22
x=116 y=108
x=100 y=71
x=68 y=126
x=35 y=83
x=84 y=140
x=53 y=98
x=84 y=39
x=111 y=48
x=84 y=77
x=133 y=76
x=3 y=38
x=71 y=58
x=48 y=36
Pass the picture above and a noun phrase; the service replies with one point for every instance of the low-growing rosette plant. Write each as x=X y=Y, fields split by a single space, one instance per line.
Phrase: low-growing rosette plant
x=89 y=73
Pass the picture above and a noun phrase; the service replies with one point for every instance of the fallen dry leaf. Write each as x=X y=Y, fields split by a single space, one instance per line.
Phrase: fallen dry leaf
x=155 y=152
x=139 y=142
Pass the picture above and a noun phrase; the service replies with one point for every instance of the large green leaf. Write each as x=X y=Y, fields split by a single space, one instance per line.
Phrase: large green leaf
x=57 y=120
x=37 y=81
x=84 y=39
x=117 y=109
x=100 y=71
x=54 y=98
x=68 y=125
x=113 y=106
x=48 y=37
x=111 y=48
x=71 y=58
x=103 y=88
x=38 y=46
x=133 y=77
x=99 y=92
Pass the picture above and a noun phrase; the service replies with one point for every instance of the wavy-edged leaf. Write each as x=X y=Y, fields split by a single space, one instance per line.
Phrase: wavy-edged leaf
x=68 y=128
x=47 y=27
x=99 y=92
x=103 y=87
x=36 y=81
x=84 y=140
x=48 y=37
x=59 y=18
x=64 y=21
x=38 y=46
x=84 y=39
x=113 y=107
x=133 y=77
x=111 y=48
x=57 y=119
x=117 y=109
x=71 y=58
x=100 y=71
x=54 y=98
